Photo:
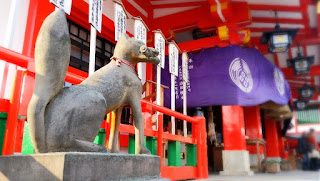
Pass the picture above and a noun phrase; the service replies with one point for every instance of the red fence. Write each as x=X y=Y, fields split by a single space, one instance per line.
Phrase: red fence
x=175 y=173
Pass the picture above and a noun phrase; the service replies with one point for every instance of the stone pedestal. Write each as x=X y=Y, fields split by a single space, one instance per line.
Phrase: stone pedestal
x=79 y=166
x=236 y=163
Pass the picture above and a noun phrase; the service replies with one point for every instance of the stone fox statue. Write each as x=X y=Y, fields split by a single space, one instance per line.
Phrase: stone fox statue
x=68 y=119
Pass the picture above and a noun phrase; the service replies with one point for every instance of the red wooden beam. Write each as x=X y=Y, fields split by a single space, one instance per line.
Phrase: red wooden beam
x=4 y=105
x=201 y=43
x=184 y=4
x=305 y=16
x=179 y=173
x=14 y=57
x=12 y=121
x=280 y=20
x=262 y=29
x=274 y=7
x=133 y=11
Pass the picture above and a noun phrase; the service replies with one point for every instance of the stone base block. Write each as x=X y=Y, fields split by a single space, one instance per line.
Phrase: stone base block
x=236 y=163
x=79 y=166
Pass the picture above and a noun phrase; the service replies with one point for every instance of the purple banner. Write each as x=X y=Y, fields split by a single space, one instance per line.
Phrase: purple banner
x=228 y=76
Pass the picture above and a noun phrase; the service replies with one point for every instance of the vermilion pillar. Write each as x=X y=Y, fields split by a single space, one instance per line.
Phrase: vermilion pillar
x=233 y=128
x=272 y=139
x=235 y=155
x=253 y=130
x=282 y=150
x=252 y=121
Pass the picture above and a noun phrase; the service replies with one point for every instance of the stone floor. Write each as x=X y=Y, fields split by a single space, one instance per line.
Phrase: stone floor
x=297 y=175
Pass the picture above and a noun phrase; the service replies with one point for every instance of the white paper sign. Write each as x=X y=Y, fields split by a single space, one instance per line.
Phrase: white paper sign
x=185 y=72
x=173 y=59
x=63 y=4
x=95 y=14
x=140 y=31
x=120 y=21
x=160 y=46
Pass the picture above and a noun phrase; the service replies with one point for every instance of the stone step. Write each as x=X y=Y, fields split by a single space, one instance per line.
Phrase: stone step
x=76 y=166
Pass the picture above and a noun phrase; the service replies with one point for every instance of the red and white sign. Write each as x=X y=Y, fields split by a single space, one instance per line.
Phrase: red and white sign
x=63 y=4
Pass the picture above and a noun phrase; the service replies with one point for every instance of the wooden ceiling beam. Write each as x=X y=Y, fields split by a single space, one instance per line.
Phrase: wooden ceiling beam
x=274 y=7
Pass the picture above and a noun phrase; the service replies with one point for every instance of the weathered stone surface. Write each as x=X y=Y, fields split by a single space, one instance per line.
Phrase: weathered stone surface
x=68 y=119
x=236 y=162
x=76 y=166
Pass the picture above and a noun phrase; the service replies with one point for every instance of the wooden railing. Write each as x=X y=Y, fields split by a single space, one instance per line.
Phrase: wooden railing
x=200 y=171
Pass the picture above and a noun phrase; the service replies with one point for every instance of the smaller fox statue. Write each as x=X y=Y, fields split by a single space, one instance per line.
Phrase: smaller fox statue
x=68 y=119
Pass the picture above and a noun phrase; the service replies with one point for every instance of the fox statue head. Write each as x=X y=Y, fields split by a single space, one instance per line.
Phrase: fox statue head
x=135 y=51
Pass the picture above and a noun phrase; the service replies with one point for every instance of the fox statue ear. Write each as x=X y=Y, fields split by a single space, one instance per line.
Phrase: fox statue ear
x=124 y=37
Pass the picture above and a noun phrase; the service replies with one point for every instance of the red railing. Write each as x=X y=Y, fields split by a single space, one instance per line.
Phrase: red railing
x=198 y=123
x=198 y=138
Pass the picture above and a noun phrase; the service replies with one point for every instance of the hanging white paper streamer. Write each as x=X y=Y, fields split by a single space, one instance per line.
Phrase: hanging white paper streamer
x=63 y=4
x=120 y=21
x=95 y=14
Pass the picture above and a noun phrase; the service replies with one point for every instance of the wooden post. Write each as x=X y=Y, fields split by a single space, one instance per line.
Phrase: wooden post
x=173 y=69
x=12 y=121
x=185 y=77
x=173 y=104
x=159 y=138
x=92 y=60
x=185 y=130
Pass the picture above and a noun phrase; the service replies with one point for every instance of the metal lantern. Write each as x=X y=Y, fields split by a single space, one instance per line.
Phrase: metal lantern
x=301 y=64
x=278 y=40
x=300 y=104
x=306 y=92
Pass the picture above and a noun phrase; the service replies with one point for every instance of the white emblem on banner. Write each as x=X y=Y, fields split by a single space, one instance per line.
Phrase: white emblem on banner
x=95 y=14
x=120 y=21
x=173 y=59
x=140 y=31
x=63 y=4
x=185 y=71
x=160 y=47
x=279 y=80
x=240 y=74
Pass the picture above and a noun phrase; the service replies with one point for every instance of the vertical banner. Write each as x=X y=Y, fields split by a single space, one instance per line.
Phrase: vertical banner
x=120 y=21
x=63 y=4
x=173 y=58
x=140 y=30
x=185 y=67
x=159 y=44
x=185 y=77
x=173 y=69
x=95 y=14
x=95 y=19
x=140 y=33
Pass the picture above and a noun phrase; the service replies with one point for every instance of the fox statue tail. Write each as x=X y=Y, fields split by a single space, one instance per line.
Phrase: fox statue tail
x=52 y=57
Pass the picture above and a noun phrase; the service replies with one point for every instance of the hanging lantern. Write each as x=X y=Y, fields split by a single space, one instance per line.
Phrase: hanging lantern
x=300 y=104
x=278 y=40
x=301 y=64
x=306 y=92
